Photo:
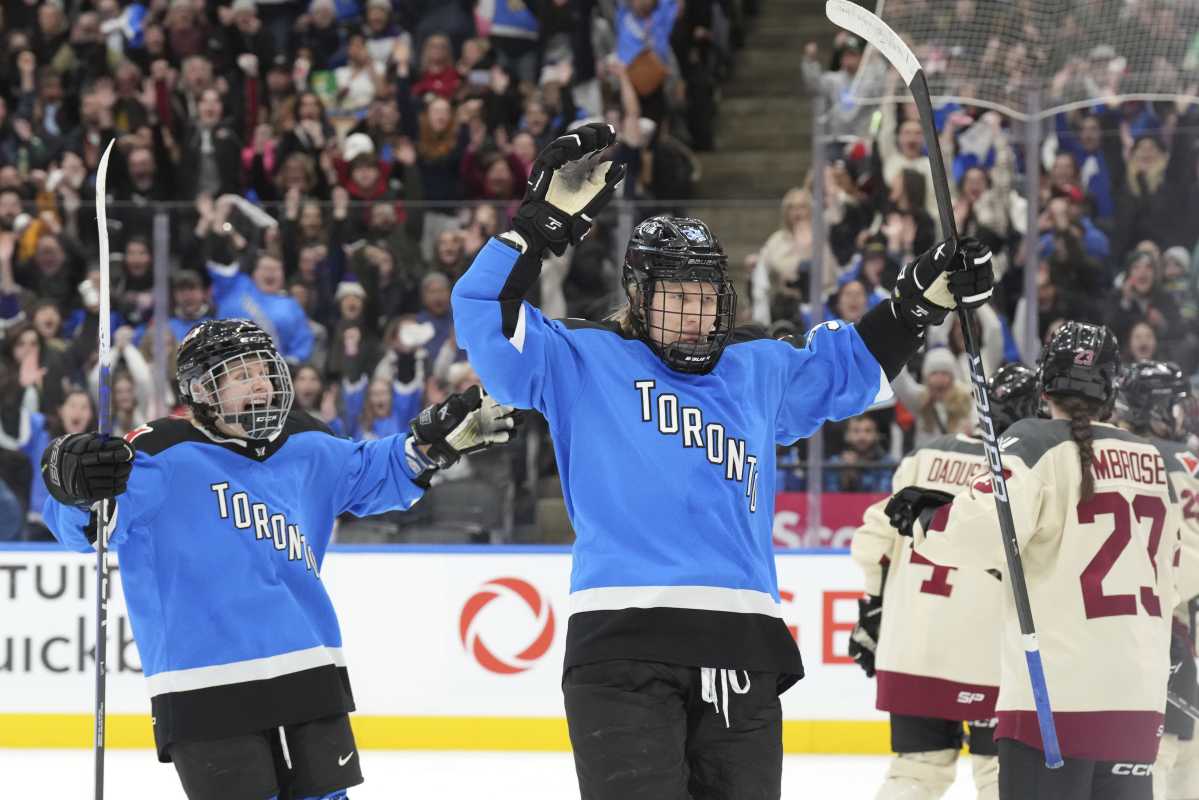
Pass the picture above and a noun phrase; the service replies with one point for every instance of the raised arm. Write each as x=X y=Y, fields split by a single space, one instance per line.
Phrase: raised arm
x=393 y=472
x=842 y=369
x=524 y=359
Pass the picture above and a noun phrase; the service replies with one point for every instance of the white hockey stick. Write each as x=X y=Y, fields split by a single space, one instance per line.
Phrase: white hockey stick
x=105 y=425
x=861 y=22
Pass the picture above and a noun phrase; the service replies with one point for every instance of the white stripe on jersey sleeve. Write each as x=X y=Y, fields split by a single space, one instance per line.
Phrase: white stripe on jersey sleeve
x=517 y=339
x=885 y=392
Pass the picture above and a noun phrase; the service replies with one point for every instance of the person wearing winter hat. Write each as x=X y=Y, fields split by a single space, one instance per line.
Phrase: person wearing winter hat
x=941 y=403
x=1179 y=281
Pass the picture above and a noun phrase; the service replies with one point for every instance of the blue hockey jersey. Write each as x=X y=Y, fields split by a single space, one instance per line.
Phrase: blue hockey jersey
x=220 y=550
x=237 y=296
x=668 y=477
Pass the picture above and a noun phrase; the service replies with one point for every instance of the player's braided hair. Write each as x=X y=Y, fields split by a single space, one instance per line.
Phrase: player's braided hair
x=1081 y=411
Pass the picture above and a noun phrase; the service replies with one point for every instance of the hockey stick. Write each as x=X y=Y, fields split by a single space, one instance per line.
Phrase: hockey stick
x=861 y=22
x=105 y=414
x=1182 y=705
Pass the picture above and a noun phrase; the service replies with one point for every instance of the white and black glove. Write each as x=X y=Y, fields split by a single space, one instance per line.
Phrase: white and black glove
x=863 y=640
x=82 y=468
x=463 y=423
x=568 y=186
x=941 y=279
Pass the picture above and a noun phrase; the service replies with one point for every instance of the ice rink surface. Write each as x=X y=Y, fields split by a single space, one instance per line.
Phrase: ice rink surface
x=416 y=775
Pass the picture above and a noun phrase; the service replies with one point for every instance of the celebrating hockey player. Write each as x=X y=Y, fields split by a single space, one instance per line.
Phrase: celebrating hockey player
x=665 y=422
x=1098 y=530
x=221 y=521
x=930 y=688
x=1150 y=402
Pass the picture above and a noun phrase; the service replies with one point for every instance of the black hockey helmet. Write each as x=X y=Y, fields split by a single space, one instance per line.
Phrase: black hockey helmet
x=1153 y=391
x=1081 y=360
x=681 y=250
x=215 y=361
x=1014 y=396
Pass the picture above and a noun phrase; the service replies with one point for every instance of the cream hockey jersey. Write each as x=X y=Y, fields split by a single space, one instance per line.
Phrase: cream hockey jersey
x=938 y=648
x=1183 y=467
x=1101 y=581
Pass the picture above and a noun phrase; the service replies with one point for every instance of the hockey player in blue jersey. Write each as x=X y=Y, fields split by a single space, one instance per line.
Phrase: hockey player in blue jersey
x=665 y=422
x=221 y=521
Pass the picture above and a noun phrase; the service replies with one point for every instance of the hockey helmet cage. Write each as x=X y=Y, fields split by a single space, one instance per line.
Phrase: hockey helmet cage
x=217 y=360
x=1150 y=391
x=679 y=250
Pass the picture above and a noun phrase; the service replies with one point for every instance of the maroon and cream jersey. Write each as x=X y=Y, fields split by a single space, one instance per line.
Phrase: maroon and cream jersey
x=938 y=648
x=1101 y=581
x=1183 y=466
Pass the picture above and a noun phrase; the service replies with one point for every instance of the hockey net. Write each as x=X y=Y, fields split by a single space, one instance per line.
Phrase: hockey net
x=1001 y=54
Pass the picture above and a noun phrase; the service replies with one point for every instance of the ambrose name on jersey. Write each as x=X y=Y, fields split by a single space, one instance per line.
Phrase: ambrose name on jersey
x=1119 y=464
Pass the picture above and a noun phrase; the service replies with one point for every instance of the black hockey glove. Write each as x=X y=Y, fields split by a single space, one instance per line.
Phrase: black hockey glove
x=940 y=279
x=568 y=186
x=463 y=423
x=913 y=505
x=81 y=468
x=863 y=641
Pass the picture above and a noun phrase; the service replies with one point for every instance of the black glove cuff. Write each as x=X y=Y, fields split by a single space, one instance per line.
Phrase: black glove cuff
x=440 y=454
x=56 y=482
x=543 y=227
x=917 y=313
x=889 y=339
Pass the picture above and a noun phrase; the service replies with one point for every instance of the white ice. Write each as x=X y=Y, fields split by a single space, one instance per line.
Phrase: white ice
x=416 y=775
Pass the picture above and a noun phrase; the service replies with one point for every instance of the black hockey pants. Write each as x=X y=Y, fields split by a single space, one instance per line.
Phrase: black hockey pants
x=1024 y=776
x=643 y=730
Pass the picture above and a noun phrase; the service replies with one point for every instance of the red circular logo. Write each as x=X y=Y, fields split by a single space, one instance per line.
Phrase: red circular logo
x=472 y=640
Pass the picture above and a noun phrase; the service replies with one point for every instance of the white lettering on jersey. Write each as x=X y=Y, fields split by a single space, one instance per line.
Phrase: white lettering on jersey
x=966 y=698
x=671 y=418
x=987 y=429
x=220 y=488
x=268 y=527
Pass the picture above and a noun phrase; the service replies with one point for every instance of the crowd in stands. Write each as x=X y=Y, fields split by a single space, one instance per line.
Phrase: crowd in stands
x=327 y=168
x=1117 y=233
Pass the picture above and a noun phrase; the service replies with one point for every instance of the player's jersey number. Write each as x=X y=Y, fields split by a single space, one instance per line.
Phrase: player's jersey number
x=1096 y=601
x=937 y=583
x=1190 y=504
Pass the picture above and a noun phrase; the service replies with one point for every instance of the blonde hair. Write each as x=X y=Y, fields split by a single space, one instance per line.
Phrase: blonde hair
x=623 y=319
x=623 y=316
x=794 y=197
